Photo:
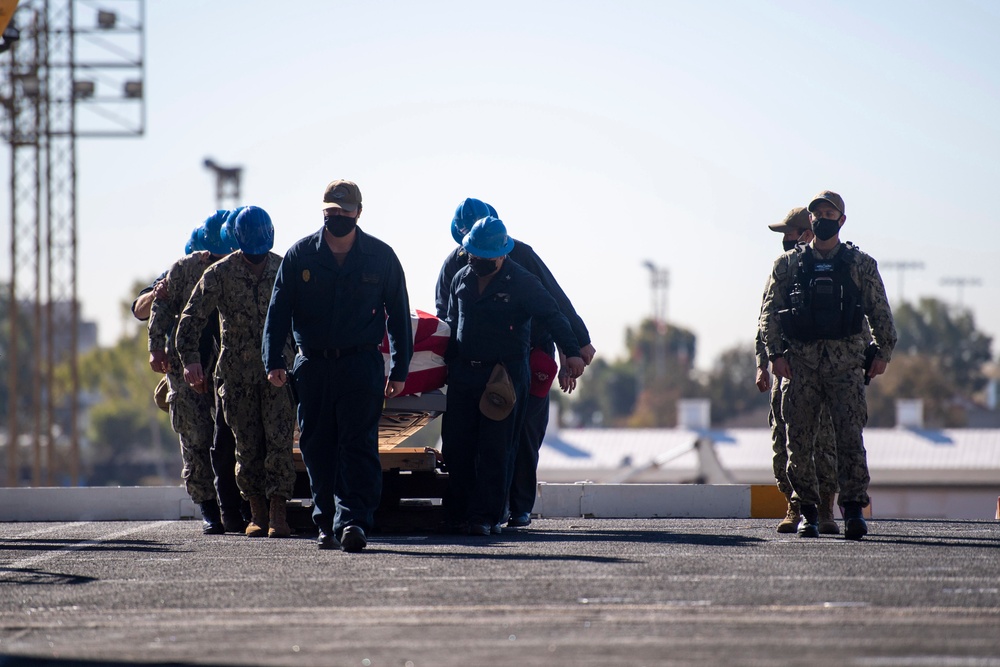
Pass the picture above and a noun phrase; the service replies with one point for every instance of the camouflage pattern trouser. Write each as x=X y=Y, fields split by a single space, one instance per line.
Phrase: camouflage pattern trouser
x=192 y=418
x=802 y=398
x=826 y=446
x=262 y=418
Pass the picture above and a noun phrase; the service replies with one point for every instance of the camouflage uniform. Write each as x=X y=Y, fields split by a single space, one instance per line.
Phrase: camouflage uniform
x=827 y=372
x=260 y=414
x=191 y=413
x=826 y=441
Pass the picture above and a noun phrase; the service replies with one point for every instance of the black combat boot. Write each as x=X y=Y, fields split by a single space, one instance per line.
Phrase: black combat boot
x=809 y=523
x=232 y=519
x=854 y=521
x=211 y=518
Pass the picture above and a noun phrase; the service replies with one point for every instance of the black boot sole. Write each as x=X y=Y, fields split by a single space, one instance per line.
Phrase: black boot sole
x=809 y=530
x=855 y=529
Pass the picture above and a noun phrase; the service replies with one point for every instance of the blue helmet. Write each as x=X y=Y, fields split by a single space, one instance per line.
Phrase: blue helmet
x=488 y=239
x=226 y=233
x=196 y=242
x=466 y=215
x=212 y=234
x=254 y=231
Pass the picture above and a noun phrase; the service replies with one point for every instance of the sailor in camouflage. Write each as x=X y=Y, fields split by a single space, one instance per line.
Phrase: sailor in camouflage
x=260 y=414
x=812 y=323
x=191 y=407
x=796 y=229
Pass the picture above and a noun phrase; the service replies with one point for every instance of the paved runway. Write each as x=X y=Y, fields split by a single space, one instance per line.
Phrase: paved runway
x=562 y=592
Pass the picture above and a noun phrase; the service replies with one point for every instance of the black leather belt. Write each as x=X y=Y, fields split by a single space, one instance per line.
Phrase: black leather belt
x=334 y=352
x=475 y=363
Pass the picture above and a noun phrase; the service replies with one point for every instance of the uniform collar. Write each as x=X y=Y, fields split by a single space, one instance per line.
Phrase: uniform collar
x=830 y=254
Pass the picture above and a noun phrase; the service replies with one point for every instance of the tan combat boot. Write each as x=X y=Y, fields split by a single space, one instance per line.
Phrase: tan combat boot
x=258 y=520
x=827 y=523
x=791 y=521
x=279 y=524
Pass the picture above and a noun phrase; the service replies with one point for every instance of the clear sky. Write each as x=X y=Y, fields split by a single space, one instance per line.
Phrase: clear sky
x=605 y=134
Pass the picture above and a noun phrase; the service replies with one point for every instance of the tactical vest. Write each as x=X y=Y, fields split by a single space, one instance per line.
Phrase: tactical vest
x=824 y=302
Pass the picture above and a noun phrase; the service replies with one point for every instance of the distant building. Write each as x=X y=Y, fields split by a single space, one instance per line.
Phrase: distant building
x=915 y=472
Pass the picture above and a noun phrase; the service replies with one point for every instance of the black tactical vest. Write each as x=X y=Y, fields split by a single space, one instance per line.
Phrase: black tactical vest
x=825 y=304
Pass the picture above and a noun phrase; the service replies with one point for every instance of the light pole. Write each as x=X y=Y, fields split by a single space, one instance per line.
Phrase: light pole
x=659 y=280
x=902 y=266
x=227 y=184
x=72 y=71
x=960 y=282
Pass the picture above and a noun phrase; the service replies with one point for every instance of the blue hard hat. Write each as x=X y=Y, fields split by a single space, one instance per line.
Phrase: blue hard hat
x=196 y=242
x=212 y=238
x=254 y=231
x=488 y=239
x=226 y=232
x=466 y=215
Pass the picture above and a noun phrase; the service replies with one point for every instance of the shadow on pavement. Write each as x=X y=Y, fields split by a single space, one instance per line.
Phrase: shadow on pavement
x=77 y=544
x=31 y=576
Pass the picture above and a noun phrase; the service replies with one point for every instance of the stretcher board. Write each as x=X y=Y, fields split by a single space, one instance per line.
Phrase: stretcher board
x=401 y=418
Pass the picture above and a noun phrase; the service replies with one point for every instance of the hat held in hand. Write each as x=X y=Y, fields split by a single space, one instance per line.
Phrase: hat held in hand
x=498 y=397
x=160 y=394
x=543 y=372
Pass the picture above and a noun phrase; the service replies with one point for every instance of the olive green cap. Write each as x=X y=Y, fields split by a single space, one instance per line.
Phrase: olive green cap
x=797 y=219
x=342 y=194
x=829 y=197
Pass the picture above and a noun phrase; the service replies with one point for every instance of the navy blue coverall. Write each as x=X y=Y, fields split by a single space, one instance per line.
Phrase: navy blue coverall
x=486 y=329
x=338 y=316
x=522 y=472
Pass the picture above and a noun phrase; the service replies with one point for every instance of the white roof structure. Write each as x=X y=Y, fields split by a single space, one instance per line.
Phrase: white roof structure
x=895 y=455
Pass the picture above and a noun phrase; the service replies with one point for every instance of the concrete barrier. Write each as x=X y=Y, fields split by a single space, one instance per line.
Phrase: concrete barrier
x=633 y=501
x=96 y=503
x=582 y=499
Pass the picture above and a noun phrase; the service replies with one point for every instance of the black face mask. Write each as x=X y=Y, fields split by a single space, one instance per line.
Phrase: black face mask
x=482 y=267
x=825 y=229
x=789 y=245
x=339 y=225
x=255 y=258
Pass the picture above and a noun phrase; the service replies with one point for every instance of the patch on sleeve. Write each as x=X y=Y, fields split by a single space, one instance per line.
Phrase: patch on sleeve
x=306 y=275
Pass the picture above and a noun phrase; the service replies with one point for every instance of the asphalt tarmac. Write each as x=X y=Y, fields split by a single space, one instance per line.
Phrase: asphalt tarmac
x=562 y=592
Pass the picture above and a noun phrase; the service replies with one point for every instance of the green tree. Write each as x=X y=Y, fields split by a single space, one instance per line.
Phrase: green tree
x=933 y=329
x=642 y=390
x=130 y=438
x=606 y=394
x=663 y=355
x=21 y=358
x=915 y=376
x=730 y=384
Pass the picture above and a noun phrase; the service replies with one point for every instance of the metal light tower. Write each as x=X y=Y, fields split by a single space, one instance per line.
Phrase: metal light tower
x=960 y=282
x=76 y=71
x=659 y=280
x=902 y=267
x=227 y=184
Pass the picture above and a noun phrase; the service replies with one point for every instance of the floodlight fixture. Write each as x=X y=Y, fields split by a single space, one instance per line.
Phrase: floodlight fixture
x=133 y=89
x=106 y=20
x=83 y=89
x=30 y=85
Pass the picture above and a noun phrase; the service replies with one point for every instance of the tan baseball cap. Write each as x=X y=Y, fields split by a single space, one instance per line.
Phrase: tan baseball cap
x=796 y=220
x=499 y=397
x=342 y=194
x=829 y=197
